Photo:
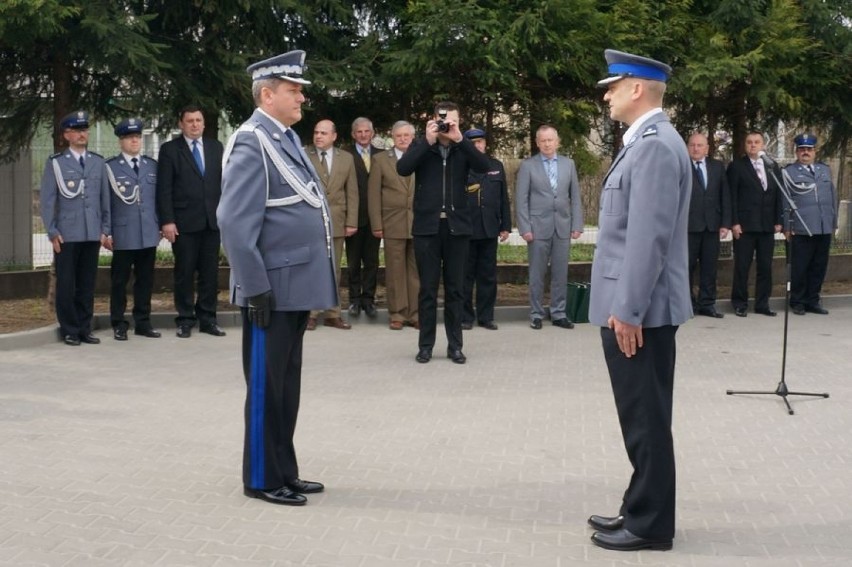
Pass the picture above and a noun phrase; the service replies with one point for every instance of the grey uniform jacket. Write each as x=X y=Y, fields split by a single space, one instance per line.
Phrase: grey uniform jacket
x=540 y=211
x=815 y=196
x=85 y=216
x=285 y=248
x=134 y=223
x=640 y=270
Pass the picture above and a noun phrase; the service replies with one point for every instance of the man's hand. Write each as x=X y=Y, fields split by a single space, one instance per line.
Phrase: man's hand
x=57 y=243
x=431 y=132
x=106 y=242
x=379 y=233
x=350 y=230
x=504 y=235
x=260 y=309
x=723 y=232
x=778 y=228
x=575 y=234
x=170 y=232
x=629 y=336
x=737 y=230
x=528 y=237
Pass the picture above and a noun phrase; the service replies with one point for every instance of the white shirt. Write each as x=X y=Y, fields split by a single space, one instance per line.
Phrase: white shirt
x=398 y=153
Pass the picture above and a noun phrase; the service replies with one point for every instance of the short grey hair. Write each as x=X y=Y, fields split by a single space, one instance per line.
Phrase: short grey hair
x=362 y=120
x=257 y=87
x=401 y=124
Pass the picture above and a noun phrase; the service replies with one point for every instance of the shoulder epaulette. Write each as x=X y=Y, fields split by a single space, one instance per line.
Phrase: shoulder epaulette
x=113 y=158
x=96 y=154
x=650 y=131
x=56 y=155
x=149 y=158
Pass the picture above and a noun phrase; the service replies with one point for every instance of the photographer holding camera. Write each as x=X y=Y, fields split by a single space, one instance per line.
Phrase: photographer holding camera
x=441 y=228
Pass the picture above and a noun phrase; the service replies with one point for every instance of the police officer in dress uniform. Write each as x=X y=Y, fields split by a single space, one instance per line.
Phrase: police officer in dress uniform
x=815 y=196
x=135 y=230
x=75 y=211
x=276 y=230
x=490 y=218
x=640 y=295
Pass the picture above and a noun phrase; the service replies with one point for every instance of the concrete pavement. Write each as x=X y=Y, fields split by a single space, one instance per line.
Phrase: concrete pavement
x=129 y=453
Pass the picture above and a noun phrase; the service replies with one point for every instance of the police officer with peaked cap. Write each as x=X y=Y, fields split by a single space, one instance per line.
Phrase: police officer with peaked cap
x=640 y=295
x=75 y=211
x=277 y=234
x=135 y=230
x=488 y=201
x=815 y=196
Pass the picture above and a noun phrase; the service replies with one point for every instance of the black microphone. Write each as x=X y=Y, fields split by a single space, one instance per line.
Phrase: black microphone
x=766 y=159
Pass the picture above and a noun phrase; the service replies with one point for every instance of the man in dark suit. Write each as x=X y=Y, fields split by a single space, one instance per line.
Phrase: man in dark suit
x=709 y=221
x=135 y=230
x=362 y=248
x=440 y=162
x=276 y=231
x=550 y=214
x=640 y=295
x=490 y=218
x=75 y=211
x=756 y=209
x=336 y=169
x=189 y=183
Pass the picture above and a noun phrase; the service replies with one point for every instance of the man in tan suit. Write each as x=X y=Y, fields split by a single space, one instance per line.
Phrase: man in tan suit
x=390 y=198
x=336 y=169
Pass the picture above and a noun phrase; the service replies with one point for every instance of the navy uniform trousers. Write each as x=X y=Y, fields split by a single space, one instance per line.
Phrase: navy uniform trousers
x=643 y=389
x=76 y=273
x=141 y=262
x=481 y=272
x=272 y=364
x=809 y=264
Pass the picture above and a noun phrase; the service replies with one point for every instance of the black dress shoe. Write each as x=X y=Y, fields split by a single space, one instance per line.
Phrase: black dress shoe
x=213 y=329
x=768 y=312
x=709 y=312
x=623 y=540
x=456 y=355
x=150 y=333
x=819 y=310
x=535 y=324
x=606 y=523
x=184 y=332
x=466 y=325
x=490 y=325
x=355 y=309
x=565 y=323
x=304 y=486
x=798 y=310
x=370 y=310
x=89 y=339
x=740 y=312
x=282 y=495
x=71 y=340
x=424 y=355
x=119 y=334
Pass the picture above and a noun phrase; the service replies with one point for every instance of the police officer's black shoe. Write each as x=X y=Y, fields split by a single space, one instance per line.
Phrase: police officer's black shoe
x=89 y=339
x=150 y=333
x=119 y=334
x=71 y=340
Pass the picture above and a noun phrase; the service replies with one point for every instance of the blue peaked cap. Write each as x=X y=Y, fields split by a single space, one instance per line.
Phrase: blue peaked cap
x=287 y=66
x=129 y=126
x=805 y=141
x=621 y=65
x=77 y=120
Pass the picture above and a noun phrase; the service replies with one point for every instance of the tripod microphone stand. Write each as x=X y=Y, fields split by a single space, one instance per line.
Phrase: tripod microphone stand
x=791 y=208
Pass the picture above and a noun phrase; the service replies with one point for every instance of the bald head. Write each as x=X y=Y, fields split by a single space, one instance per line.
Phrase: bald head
x=325 y=134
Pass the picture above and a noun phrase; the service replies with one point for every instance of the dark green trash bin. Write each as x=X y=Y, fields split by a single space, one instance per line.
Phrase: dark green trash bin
x=577 y=304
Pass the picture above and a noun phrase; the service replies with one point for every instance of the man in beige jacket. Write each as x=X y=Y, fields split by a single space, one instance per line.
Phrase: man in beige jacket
x=390 y=198
x=336 y=170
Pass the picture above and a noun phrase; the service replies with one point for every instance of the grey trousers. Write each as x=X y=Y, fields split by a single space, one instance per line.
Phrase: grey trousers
x=555 y=252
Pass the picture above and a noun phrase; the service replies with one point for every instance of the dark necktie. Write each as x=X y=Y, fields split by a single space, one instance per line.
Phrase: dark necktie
x=324 y=164
x=700 y=175
x=197 y=155
x=811 y=169
x=296 y=145
x=82 y=162
x=135 y=165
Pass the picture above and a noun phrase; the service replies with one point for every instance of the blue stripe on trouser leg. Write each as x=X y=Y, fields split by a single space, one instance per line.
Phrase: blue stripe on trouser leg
x=257 y=443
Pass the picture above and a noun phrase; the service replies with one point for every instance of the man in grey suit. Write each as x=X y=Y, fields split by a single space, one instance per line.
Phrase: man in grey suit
x=550 y=214
x=75 y=211
x=640 y=295
x=276 y=230
x=135 y=230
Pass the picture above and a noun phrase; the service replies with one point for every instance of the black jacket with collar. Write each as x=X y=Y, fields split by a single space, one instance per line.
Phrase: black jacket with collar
x=439 y=184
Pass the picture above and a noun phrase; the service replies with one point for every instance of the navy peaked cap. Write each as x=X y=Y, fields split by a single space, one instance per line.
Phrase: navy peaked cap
x=621 y=65
x=129 y=126
x=287 y=66
x=474 y=133
x=805 y=141
x=77 y=120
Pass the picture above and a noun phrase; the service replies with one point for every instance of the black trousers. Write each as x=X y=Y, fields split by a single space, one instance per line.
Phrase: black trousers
x=272 y=365
x=362 y=259
x=196 y=253
x=141 y=263
x=437 y=255
x=704 y=254
x=643 y=389
x=746 y=247
x=481 y=272
x=76 y=272
x=809 y=263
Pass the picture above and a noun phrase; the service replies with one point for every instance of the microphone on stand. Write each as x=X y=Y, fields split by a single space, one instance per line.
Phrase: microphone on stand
x=767 y=159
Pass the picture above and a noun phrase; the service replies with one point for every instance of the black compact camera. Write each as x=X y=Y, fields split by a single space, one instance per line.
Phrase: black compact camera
x=443 y=126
